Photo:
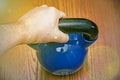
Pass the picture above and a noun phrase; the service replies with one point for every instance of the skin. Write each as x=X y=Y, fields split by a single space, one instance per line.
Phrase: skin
x=40 y=25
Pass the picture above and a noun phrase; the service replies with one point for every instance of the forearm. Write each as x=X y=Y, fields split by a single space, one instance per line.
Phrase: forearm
x=10 y=36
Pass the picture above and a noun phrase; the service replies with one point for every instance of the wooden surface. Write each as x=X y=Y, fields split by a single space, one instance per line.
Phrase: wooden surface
x=103 y=60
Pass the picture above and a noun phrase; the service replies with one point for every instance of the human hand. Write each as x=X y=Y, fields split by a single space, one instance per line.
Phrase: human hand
x=41 y=25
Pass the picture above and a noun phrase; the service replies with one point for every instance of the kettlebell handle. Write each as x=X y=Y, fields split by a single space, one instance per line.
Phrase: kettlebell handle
x=79 y=25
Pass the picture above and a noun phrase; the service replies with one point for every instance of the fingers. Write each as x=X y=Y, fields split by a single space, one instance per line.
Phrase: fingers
x=62 y=15
x=59 y=36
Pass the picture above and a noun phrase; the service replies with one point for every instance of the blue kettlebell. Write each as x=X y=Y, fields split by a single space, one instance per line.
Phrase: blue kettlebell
x=67 y=58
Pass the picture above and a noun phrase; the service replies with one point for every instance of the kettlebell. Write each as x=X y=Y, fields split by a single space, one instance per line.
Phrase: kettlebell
x=67 y=58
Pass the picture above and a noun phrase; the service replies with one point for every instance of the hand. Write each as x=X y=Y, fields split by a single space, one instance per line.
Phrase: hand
x=41 y=25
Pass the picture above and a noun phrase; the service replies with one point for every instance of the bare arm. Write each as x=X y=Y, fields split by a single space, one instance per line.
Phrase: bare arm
x=10 y=36
x=40 y=25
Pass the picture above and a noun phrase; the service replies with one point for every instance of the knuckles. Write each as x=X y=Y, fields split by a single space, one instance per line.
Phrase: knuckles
x=52 y=9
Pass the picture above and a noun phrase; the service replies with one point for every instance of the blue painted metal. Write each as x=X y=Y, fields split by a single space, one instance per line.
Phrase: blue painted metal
x=63 y=58
x=67 y=58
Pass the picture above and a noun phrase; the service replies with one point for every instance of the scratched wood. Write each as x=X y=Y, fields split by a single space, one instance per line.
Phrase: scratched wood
x=103 y=60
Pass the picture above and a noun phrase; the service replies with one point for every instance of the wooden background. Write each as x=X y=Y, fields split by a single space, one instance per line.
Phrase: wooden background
x=103 y=60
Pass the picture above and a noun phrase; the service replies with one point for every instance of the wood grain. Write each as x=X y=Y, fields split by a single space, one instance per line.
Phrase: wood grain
x=102 y=63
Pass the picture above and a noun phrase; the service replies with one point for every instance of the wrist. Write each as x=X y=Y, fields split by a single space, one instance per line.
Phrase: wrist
x=18 y=30
x=26 y=34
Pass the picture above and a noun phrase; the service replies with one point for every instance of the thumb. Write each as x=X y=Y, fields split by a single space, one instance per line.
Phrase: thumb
x=61 y=37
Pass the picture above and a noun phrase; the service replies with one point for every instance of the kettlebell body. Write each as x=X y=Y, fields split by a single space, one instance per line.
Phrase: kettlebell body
x=67 y=58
